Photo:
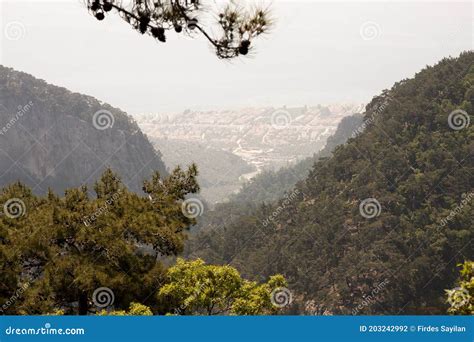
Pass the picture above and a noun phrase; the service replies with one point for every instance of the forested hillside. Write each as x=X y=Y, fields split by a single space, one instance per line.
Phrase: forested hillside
x=269 y=186
x=265 y=188
x=51 y=137
x=380 y=226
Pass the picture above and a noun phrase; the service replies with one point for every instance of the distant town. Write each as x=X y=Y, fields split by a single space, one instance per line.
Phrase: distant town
x=239 y=144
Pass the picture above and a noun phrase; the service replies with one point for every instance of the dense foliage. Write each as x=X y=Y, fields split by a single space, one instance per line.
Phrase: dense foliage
x=196 y=288
x=107 y=255
x=266 y=187
x=58 y=251
x=379 y=226
x=135 y=309
x=461 y=298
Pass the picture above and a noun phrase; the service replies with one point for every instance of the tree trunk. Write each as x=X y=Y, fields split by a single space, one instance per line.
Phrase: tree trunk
x=83 y=304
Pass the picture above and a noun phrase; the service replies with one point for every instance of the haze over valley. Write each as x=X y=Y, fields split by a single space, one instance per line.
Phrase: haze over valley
x=233 y=146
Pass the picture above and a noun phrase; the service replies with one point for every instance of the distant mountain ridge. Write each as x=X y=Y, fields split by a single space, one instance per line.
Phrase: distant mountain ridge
x=53 y=138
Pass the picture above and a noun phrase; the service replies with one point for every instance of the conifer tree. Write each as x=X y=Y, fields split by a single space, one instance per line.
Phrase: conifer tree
x=237 y=26
x=66 y=248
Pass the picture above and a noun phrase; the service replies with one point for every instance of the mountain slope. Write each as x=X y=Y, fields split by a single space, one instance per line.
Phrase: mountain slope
x=380 y=226
x=269 y=186
x=51 y=137
x=219 y=170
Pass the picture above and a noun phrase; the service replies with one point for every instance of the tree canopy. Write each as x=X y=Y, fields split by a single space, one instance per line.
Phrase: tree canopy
x=61 y=250
x=196 y=288
x=107 y=254
x=461 y=298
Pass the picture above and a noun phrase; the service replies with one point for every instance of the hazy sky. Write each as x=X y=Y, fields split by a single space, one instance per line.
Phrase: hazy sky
x=318 y=52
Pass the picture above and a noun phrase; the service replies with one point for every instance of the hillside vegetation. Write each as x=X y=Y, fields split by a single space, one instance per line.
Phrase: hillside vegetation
x=380 y=226
x=270 y=185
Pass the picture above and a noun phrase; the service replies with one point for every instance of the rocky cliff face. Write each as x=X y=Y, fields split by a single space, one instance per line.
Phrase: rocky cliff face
x=51 y=137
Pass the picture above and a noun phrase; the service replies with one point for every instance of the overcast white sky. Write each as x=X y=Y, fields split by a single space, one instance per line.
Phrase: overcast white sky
x=315 y=54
